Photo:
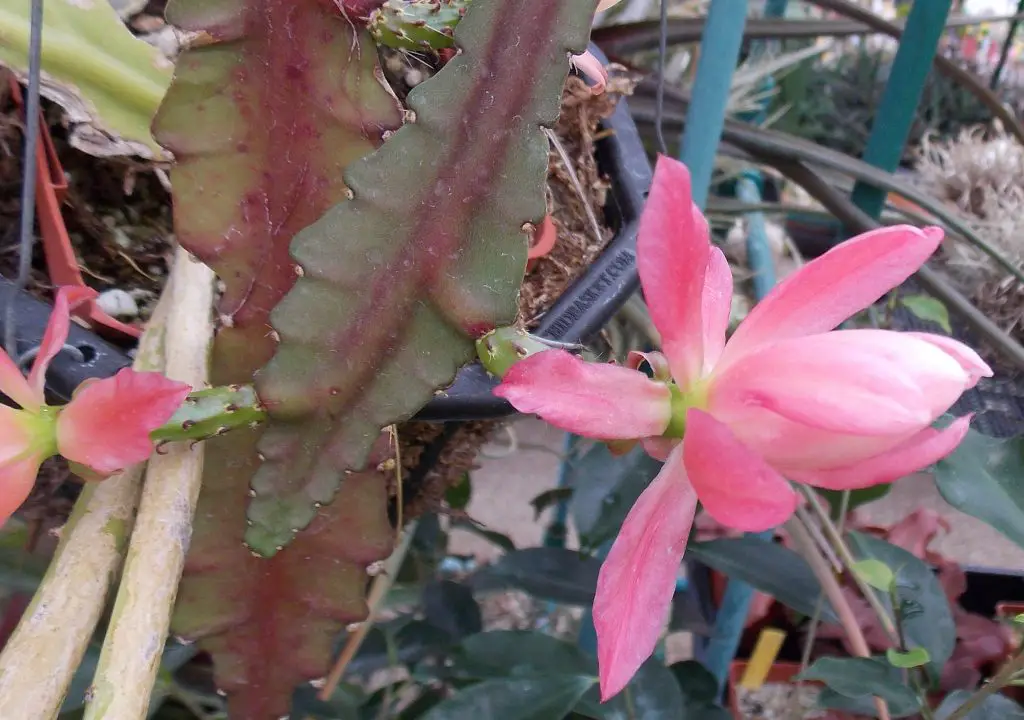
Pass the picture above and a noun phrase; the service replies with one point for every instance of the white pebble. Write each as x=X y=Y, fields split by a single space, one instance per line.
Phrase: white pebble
x=118 y=303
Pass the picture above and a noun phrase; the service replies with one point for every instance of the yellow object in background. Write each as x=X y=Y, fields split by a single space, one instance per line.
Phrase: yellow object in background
x=769 y=642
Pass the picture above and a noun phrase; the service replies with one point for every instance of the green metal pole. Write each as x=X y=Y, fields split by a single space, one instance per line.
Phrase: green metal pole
x=720 y=44
x=902 y=94
x=1007 y=45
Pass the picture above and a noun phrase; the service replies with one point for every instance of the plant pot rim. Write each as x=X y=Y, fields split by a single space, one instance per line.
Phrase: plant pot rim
x=781 y=672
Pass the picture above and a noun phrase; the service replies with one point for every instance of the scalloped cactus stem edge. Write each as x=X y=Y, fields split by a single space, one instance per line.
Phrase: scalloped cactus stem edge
x=40 y=658
x=393 y=294
x=132 y=649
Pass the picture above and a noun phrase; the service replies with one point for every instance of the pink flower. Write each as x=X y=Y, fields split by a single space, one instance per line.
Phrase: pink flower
x=105 y=427
x=787 y=397
x=588 y=64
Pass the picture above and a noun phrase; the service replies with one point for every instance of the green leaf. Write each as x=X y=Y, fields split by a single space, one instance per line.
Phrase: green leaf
x=652 y=694
x=926 y=617
x=994 y=707
x=767 y=566
x=492 y=536
x=533 y=698
x=548 y=498
x=495 y=653
x=457 y=497
x=404 y=639
x=915 y=657
x=556 y=574
x=927 y=308
x=875 y=573
x=398 y=282
x=695 y=681
x=605 y=487
x=861 y=678
x=174 y=656
x=450 y=606
x=20 y=571
x=863 y=496
x=109 y=82
x=865 y=706
x=344 y=704
x=982 y=478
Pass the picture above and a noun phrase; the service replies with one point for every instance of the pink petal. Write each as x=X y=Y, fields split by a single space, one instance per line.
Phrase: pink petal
x=17 y=478
x=14 y=385
x=716 y=306
x=835 y=286
x=106 y=425
x=638 y=578
x=784 y=443
x=672 y=257
x=68 y=297
x=861 y=382
x=657 y=361
x=735 y=485
x=970 y=361
x=589 y=65
x=920 y=451
x=608 y=402
x=659 y=448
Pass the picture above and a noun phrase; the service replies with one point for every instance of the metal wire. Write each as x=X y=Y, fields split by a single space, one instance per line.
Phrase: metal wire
x=30 y=355
x=28 y=188
x=659 y=106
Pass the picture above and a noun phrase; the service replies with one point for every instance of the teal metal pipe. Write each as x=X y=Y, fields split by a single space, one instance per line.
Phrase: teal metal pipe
x=891 y=128
x=719 y=52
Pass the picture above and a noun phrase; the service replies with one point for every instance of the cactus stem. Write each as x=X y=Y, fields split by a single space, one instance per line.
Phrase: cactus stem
x=211 y=413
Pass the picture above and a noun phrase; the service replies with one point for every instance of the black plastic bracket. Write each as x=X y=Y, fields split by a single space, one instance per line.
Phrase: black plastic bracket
x=100 y=359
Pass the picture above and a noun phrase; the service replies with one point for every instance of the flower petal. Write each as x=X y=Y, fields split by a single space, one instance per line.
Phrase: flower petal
x=920 y=451
x=16 y=480
x=970 y=361
x=862 y=382
x=638 y=578
x=659 y=448
x=672 y=258
x=14 y=385
x=106 y=425
x=785 y=444
x=605 y=4
x=716 y=306
x=835 y=286
x=735 y=485
x=68 y=298
x=588 y=64
x=608 y=402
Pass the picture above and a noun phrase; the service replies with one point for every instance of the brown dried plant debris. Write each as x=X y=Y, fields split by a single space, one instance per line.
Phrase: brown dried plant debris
x=579 y=242
x=981 y=173
x=117 y=212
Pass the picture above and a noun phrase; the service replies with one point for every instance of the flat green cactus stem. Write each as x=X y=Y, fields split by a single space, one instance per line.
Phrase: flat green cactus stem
x=500 y=349
x=398 y=282
x=209 y=413
x=417 y=24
